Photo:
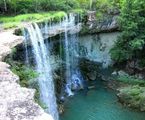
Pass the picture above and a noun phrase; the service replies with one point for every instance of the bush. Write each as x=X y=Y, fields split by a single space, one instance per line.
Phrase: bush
x=133 y=96
x=131 y=44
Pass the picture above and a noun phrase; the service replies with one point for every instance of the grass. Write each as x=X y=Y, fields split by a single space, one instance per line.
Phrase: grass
x=130 y=80
x=80 y=11
x=15 y=21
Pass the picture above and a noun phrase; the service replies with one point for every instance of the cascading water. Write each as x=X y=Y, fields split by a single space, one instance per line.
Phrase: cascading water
x=76 y=77
x=42 y=59
x=43 y=67
x=67 y=59
x=26 y=47
x=73 y=75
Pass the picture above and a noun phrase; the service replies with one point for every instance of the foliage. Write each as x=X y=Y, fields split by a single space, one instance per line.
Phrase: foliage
x=133 y=96
x=84 y=3
x=107 y=5
x=105 y=9
x=130 y=80
x=28 y=78
x=27 y=75
x=31 y=6
x=132 y=23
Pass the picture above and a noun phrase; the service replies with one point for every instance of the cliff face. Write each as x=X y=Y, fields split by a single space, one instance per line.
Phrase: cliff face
x=16 y=102
x=108 y=23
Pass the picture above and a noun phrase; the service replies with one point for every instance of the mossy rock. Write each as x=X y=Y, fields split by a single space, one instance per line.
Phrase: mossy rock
x=133 y=96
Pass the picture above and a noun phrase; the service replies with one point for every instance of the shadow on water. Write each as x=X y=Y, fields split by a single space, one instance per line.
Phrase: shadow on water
x=99 y=103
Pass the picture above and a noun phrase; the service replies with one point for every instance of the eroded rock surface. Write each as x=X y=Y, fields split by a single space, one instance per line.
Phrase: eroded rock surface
x=16 y=102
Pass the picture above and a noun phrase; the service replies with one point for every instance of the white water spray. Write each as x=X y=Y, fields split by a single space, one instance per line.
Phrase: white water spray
x=73 y=80
x=45 y=80
x=26 y=47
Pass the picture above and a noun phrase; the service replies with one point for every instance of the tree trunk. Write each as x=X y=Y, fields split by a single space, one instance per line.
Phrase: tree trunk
x=5 y=5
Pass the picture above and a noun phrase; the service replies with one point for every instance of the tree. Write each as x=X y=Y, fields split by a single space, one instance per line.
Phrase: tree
x=5 y=5
x=131 y=44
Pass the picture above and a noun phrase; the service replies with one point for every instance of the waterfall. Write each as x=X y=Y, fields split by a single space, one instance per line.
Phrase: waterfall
x=67 y=59
x=73 y=75
x=42 y=57
x=26 y=47
x=43 y=67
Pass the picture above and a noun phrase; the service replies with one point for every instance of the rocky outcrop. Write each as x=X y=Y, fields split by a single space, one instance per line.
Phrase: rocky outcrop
x=108 y=23
x=16 y=102
x=7 y=42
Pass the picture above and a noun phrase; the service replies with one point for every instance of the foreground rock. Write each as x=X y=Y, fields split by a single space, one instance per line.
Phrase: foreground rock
x=16 y=103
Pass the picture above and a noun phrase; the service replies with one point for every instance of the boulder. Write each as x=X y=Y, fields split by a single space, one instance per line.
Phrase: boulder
x=122 y=73
x=92 y=76
x=61 y=108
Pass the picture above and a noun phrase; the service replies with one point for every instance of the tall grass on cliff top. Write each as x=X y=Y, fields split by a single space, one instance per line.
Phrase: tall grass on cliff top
x=14 y=21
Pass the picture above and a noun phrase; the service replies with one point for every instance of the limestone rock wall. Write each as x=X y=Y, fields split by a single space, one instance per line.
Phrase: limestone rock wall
x=96 y=47
x=16 y=102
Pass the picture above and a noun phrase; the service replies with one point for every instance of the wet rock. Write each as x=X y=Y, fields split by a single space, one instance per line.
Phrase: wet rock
x=108 y=24
x=92 y=76
x=89 y=69
x=122 y=73
x=91 y=87
x=134 y=67
x=91 y=16
x=61 y=108
x=115 y=73
x=103 y=47
x=139 y=76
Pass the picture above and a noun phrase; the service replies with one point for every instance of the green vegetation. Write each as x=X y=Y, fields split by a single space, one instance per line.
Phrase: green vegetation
x=14 y=12
x=131 y=44
x=27 y=76
x=131 y=80
x=14 y=21
x=133 y=96
x=106 y=8
x=107 y=5
x=32 y=6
